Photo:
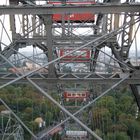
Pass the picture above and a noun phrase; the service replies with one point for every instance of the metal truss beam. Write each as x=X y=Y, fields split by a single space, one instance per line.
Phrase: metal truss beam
x=33 y=40
x=87 y=81
x=95 y=43
x=40 y=10
x=135 y=90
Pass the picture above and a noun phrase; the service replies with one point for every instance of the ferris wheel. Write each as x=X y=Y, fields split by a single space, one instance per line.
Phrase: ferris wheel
x=90 y=43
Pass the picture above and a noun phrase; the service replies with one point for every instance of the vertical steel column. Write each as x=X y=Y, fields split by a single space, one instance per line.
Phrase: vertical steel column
x=25 y=22
x=127 y=35
x=12 y=19
x=0 y=48
x=48 y=26
x=34 y=25
x=116 y=21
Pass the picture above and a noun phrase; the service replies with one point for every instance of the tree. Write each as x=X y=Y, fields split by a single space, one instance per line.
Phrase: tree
x=126 y=103
x=107 y=102
x=101 y=118
x=117 y=136
x=48 y=117
x=133 y=129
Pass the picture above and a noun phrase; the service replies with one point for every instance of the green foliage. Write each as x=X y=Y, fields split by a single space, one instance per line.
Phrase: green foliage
x=49 y=117
x=28 y=104
x=107 y=102
x=117 y=136
x=98 y=132
x=24 y=102
x=133 y=128
x=2 y=107
x=114 y=116
x=126 y=103
x=118 y=127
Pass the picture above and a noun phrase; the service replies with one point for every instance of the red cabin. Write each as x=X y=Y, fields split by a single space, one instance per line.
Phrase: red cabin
x=76 y=95
x=82 y=55
x=77 y=18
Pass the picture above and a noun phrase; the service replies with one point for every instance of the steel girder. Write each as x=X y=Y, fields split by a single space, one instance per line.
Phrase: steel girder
x=97 y=8
x=72 y=79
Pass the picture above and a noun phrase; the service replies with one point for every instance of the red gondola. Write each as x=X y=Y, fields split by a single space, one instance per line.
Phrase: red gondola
x=76 y=95
x=82 y=55
x=76 y=17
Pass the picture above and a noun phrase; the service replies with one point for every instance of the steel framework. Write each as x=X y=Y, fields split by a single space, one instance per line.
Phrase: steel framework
x=116 y=27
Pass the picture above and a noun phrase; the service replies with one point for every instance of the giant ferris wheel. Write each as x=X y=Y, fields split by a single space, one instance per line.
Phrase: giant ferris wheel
x=89 y=48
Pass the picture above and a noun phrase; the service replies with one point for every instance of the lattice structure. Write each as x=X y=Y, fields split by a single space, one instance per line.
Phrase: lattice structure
x=76 y=49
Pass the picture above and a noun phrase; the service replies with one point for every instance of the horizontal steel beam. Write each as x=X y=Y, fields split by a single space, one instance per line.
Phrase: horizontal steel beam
x=60 y=42
x=44 y=81
x=75 y=25
x=47 y=9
